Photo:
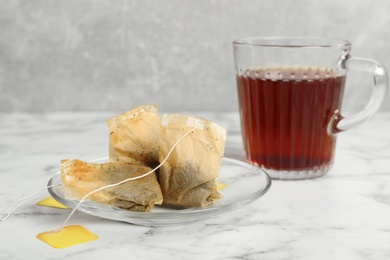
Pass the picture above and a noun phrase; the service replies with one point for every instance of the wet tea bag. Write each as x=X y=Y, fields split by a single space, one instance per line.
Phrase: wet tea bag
x=79 y=178
x=188 y=176
x=134 y=135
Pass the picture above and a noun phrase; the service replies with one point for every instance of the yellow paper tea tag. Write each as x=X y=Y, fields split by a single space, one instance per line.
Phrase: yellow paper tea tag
x=221 y=186
x=50 y=202
x=67 y=236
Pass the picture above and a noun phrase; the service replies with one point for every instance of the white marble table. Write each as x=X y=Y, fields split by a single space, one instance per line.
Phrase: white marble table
x=343 y=215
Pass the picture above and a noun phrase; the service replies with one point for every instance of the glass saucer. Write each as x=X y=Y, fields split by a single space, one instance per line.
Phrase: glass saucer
x=245 y=184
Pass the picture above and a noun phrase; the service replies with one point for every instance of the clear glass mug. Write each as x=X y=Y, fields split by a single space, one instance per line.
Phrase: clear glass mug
x=290 y=91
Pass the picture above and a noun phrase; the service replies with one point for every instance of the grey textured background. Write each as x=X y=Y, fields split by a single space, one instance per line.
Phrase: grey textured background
x=66 y=55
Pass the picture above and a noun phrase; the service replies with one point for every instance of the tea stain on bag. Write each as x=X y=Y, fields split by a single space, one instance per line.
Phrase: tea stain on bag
x=134 y=136
x=50 y=202
x=67 y=236
x=188 y=177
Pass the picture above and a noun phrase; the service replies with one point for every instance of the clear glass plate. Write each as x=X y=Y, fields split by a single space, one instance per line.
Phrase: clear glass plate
x=245 y=184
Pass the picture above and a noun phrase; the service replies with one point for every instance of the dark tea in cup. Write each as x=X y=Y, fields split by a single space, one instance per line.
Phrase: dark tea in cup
x=285 y=115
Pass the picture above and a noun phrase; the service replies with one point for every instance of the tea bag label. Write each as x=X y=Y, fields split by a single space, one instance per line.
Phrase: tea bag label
x=50 y=202
x=221 y=186
x=67 y=236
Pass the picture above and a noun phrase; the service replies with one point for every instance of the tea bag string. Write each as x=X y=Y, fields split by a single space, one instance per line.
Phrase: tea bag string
x=126 y=180
x=23 y=200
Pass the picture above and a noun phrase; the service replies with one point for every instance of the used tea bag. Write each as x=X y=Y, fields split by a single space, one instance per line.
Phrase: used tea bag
x=79 y=178
x=188 y=176
x=134 y=136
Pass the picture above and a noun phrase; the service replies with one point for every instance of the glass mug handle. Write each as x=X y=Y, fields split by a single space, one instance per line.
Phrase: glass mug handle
x=338 y=123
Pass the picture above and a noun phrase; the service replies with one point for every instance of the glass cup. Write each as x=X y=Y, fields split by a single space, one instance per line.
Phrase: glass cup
x=290 y=91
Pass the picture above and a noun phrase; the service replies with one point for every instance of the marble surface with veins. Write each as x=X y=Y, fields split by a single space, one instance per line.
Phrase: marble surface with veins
x=343 y=215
